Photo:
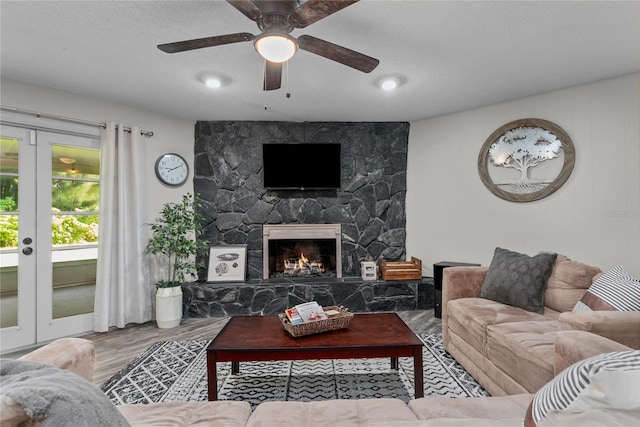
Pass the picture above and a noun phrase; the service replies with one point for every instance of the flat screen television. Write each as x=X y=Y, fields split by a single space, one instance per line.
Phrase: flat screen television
x=301 y=166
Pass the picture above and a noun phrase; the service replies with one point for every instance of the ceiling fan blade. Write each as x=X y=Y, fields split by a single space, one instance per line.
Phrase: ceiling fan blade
x=247 y=8
x=315 y=10
x=340 y=54
x=272 y=75
x=205 y=42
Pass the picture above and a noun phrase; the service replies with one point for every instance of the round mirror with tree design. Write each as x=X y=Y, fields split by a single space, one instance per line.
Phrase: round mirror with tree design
x=526 y=160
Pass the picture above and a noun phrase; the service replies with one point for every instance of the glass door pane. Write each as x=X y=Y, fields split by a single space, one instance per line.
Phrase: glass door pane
x=68 y=190
x=17 y=238
x=9 y=180
x=75 y=188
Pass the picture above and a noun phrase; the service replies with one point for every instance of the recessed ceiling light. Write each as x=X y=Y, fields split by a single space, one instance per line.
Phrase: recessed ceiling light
x=389 y=83
x=213 y=82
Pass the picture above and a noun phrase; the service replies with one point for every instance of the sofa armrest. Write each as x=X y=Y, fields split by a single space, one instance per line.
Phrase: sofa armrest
x=459 y=282
x=572 y=346
x=620 y=326
x=462 y=282
x=73 y=354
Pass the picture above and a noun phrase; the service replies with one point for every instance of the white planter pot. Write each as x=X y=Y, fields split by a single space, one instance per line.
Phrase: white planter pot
x=169 y=307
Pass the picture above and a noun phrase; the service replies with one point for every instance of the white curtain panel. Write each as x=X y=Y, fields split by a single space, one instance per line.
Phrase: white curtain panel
x=123 y=291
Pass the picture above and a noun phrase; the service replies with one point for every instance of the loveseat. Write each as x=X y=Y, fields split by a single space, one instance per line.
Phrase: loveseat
x=511 y=350
x=76 y=355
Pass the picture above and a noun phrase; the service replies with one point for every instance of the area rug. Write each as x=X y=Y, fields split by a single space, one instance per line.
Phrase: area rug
x=176 y=371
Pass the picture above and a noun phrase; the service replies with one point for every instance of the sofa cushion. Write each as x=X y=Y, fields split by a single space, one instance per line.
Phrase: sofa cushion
x=469 y=317
x=573 y=346
x=344 y=413
x=217 y=413
x=620 y=326
x=427 y=408
x=609 y=381
x=76 y=355
x=53 y=396
x=525 y=350
x=591 y=418
x=568 y=282
x=614 y=290
x=518 y=279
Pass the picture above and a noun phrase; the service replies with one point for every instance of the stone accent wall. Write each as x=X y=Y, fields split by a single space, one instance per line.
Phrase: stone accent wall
x=270 y=297
x=370 y=206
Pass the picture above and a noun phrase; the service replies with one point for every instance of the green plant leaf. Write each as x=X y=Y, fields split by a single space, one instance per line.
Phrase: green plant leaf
x=174 y=238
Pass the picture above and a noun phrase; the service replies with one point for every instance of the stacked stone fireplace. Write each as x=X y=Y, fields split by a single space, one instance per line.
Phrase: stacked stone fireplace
x=369 y=206
x=365 y=218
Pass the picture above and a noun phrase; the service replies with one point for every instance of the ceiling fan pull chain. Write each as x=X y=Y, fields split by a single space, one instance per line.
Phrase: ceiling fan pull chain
x=286 y=83
x=264 y=83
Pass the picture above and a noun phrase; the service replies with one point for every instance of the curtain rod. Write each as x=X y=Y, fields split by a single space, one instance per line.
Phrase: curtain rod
x=146 y=133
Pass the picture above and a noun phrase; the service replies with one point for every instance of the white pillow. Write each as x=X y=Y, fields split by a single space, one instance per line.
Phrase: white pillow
x=615 y=290
x=603 y=382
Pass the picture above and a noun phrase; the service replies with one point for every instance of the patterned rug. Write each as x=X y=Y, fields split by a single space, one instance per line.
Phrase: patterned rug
x=176 y=371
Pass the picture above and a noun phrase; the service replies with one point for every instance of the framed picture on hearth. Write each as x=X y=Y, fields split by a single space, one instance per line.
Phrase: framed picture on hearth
x=227 y=263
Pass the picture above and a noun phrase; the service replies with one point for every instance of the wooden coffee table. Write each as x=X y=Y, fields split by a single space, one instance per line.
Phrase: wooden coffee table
x=260 y=338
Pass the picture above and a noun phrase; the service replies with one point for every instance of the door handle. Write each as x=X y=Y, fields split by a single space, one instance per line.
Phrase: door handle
x=27 y=251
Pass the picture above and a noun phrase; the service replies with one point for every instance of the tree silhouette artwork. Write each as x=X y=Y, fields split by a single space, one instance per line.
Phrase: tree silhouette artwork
x=523 y=148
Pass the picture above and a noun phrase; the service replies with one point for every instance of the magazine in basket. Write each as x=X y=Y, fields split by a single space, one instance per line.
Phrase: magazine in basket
x=307 y=312
x=328 y=319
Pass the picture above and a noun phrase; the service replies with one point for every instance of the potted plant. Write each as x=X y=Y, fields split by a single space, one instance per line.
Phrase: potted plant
x=174 y=240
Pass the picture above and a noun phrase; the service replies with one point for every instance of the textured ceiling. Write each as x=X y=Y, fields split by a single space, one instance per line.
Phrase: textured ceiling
x=450 y=55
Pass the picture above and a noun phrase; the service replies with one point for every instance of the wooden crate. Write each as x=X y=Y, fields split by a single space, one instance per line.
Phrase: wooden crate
x=400 y=270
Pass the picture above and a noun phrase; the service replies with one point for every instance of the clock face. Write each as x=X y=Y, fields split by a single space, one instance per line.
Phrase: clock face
x=172 y=169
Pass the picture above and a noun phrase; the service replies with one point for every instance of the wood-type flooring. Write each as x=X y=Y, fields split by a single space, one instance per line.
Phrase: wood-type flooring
x=116 y=348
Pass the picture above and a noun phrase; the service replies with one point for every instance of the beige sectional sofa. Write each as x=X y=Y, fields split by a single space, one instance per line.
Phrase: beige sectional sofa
x=510 y=350
x=77 y=355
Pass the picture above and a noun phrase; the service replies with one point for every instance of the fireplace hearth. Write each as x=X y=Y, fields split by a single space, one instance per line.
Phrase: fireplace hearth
x=301 y=250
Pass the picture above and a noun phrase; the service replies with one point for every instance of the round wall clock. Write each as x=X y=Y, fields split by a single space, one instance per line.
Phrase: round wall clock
x=172 y=169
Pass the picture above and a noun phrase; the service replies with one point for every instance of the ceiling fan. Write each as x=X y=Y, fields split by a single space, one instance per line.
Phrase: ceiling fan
x=276 y=19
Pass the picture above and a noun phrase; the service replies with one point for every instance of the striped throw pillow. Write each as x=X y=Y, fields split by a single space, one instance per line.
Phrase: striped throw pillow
x=615 y=290
x=609 y=381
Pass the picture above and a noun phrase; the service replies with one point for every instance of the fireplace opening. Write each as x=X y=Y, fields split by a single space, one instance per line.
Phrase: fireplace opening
x=301 y=250
x=302 y=258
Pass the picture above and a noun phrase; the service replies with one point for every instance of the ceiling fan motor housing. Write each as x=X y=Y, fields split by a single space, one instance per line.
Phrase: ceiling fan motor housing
x=274 y=23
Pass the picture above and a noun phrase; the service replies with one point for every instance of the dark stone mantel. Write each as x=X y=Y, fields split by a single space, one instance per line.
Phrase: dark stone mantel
x=273 y=296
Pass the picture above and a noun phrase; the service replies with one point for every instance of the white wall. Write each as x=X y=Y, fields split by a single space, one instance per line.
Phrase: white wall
x=170 y=134
x=593 y=218
x=451 y=216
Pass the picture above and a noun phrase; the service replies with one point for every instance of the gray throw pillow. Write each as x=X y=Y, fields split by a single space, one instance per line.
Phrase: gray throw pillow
x=518 y=279
x=55 y=397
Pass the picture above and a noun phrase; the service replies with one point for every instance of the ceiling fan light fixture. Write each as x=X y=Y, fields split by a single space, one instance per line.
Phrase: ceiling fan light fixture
x=276 y=47
x=67 y=160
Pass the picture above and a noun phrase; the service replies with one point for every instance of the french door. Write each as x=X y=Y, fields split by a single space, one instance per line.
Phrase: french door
x=49 y=187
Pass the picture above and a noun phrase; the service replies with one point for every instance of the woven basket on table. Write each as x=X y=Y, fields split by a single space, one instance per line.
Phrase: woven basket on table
x=338 y=321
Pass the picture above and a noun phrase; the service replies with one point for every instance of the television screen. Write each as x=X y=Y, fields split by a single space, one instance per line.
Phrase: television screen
x=301 y=166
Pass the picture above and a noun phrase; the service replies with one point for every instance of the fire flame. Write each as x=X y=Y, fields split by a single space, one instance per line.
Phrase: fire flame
x=301 y=264
x=302 y=261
